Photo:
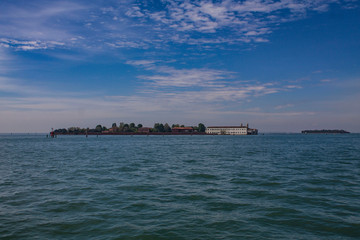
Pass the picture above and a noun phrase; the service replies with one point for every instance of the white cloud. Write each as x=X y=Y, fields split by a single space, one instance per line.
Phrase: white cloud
x=326 y=80
x=284 y=106
x=128 y=44
x=38 y=20
x=200 y=85
x=143 y=63
x=29 y=45
x=243 y=20
x=169 y=89
x=128 y=24
x=258 y=40
x=8 y=63
x=170 y=77
x=15 y=86
x=293 y=86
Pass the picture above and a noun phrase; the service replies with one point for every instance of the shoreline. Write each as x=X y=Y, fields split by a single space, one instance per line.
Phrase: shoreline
x=132 y=133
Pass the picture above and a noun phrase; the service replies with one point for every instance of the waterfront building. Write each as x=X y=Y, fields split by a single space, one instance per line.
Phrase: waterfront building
x=182 y=129
x=231 y=130
x=144 y=130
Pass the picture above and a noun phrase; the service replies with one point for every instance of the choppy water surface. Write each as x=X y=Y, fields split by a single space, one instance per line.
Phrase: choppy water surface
x=180 y=187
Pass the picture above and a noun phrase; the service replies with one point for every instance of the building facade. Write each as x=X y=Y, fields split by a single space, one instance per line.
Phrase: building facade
x=182 y=129
x=231 y=130
x=144 y=130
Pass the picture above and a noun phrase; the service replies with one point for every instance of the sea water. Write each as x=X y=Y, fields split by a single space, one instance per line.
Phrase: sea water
x=272 y=186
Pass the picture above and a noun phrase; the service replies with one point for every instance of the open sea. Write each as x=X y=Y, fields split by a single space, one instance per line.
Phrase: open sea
x=272 y=186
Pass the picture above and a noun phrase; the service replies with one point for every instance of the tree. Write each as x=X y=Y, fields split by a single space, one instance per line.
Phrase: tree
x=126 y=128
x=139 y=125
x=133 y=127
x=161 y=127
x=74 y=130
x=121 y=126
x=98 y=128
x=62 y=131
x=158 y=127
x=167 y=128
x=201 y=127
x=114 y=125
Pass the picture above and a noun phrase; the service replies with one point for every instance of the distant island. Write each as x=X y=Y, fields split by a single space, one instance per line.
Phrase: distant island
x=133 y=129
x=325 y=131
x=158 y=129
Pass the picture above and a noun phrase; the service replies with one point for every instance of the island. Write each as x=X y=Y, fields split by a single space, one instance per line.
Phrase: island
x=158 y=129
x=325 y=131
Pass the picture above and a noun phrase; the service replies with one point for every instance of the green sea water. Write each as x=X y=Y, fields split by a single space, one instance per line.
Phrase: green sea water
x=272 y=186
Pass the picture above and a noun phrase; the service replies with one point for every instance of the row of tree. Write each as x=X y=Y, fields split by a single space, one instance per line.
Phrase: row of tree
x=77 y=130
x=125 y=128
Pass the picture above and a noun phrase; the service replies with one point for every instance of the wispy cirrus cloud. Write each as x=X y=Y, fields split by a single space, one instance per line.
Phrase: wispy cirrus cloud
x=284 y=106
x=171 y=77
x=239 y=21
x=201 y=85
x=29 y=45
x=133 y=24
x=165 y=76
x=39 y=20
x=163 y=87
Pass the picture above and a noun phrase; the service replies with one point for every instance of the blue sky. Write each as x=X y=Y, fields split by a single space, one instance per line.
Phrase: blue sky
x=279 y=65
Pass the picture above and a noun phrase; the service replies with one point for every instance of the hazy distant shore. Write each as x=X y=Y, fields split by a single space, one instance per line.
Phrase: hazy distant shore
x=136 y=133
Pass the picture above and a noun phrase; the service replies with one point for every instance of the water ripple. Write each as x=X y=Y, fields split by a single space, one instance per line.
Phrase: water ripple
x=180 y=187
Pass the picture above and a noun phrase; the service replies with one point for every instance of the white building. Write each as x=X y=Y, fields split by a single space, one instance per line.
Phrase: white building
x=231 y=130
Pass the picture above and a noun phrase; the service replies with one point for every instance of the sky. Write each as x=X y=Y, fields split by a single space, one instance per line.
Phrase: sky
x=279 y=65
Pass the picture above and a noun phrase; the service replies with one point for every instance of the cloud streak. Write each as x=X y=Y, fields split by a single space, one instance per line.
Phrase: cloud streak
x=38 y=21
x=29 y=45
x=168 y=88
x=201 y=85
x=240 y=21
x=130 y=24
